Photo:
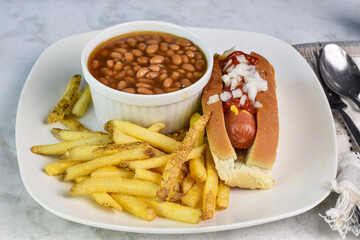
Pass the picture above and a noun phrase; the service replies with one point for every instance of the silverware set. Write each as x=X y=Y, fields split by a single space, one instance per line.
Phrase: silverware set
x=335 y=74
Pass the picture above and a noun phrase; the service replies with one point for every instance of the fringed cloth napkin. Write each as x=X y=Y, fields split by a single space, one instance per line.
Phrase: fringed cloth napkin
x=345 y=216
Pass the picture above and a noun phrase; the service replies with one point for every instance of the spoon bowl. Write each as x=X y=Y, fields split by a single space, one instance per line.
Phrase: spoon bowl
x=340 y=72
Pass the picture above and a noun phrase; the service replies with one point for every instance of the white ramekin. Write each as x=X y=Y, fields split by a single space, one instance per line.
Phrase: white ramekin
x=172 y=108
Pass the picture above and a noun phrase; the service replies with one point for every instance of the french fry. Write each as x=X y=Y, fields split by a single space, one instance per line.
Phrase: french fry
x=146 y=163
x=69 y=135
x=196 y=165
x=118 y=136
x=111 y=171
x=197 y=169
x=157 y=140
x=121 y=138
x=115 y=148
x=157 y=127
x=193 y=196
x=173 y=166
x=103 y=199
x=73 y=124
x=134 y=187
x=147 y=175
x=177 y=135
x=82 y=104
x=135 y=206
x=222 y=200
x=62 y=147
x=175 y=211
x=160 y=169
x=86 y=168
x=159 y=161
x=193 y=119
x=66 y=101
x=187 y=183
x=81 y=153
x=58 y=167
x=210 y=187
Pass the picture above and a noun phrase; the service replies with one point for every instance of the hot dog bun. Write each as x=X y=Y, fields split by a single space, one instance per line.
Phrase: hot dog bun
x=251 y=168
x=219 y=142
x=263 y=152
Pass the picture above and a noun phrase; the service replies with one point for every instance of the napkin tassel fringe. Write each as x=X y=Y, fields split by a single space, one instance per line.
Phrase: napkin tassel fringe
x=345 y=216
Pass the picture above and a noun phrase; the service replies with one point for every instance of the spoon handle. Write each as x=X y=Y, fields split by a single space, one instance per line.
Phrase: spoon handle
x=350 y=125
x=356 y=101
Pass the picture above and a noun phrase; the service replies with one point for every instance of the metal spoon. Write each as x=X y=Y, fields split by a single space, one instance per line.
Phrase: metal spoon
x=340 y=72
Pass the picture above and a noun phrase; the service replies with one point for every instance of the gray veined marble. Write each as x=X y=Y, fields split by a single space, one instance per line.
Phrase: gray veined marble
x=29 y=27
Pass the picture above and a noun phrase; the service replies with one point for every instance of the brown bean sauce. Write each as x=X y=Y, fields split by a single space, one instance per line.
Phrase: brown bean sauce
x=160 y=62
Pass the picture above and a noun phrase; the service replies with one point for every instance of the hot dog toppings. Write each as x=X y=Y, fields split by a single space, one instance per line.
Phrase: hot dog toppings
x=241 y=82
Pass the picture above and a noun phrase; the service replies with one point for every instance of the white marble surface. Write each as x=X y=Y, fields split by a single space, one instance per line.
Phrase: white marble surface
x=29 y=27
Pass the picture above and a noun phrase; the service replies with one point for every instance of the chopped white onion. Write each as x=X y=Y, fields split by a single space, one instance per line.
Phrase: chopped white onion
x=234 y=83
x=227 y=52
x=226 y=80
x=242 y=100
x=245 y=89
x=252 y=90
x=242 y=59
x=237 y=93
x=227 y=65
x=240 y=69
x=225 y=95
x=258 y=104
x=243 y=73
x=213 y=99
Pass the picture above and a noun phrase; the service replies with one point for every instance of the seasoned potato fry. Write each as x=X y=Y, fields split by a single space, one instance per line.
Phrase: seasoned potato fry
x=111 y=171
x=103 y=199
x=135 y=206
x=196 y=165
x=86 y=168
x=115 y=148
x=193 y=119
x=222 y=200
x=66 y=101
x=173 y=166
x=58 y=167
x=210 y=187
x=82 y=104
x=73 y=124
x=120 y=138
x=69 y=135
x=193 y=196
x=147 y=175
x=134 y=187
x=81 y=153
x=146 y=163
x=178 y=135
x=159 y=161
x=197 y=169
x=157 y=140
x=175 y=211
x=60 y=148
x=160 y=169
x=157 y=127
x=187 y=183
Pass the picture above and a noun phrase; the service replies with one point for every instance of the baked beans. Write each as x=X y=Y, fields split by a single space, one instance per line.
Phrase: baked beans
x=147 y=63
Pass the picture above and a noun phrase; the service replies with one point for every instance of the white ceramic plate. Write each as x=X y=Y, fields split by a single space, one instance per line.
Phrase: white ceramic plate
x=305 y=165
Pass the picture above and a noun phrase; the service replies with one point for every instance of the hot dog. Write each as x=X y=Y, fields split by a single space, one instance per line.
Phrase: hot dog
x=243 y=129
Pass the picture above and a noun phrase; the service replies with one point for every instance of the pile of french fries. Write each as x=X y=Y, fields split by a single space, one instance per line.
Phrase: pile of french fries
x=135 y=169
